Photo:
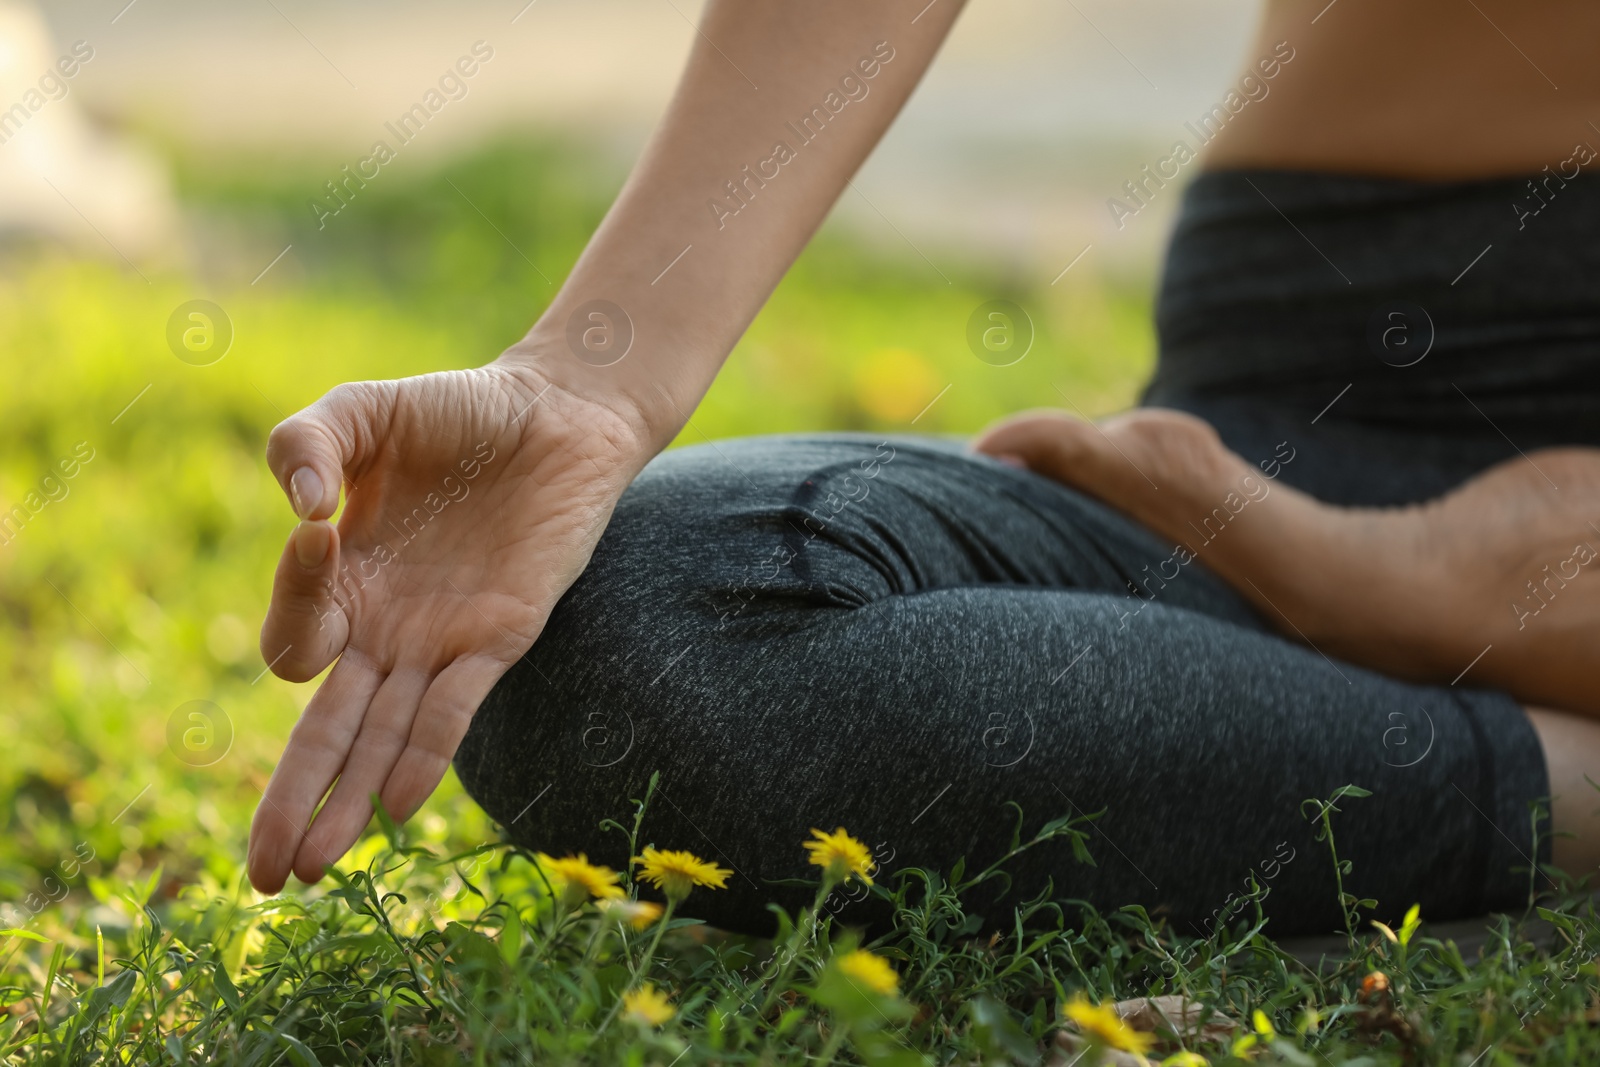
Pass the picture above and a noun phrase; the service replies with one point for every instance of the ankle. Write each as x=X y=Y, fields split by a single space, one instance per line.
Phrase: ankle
x=1381 y=593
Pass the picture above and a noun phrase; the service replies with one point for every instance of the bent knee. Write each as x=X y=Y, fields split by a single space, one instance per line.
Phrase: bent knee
x=710 y=554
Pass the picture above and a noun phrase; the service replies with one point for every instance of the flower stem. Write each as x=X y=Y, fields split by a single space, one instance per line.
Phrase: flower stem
x=835 y=1042
x=808 y=924
x=644 y=964
x=661 y=928
x=600 y=924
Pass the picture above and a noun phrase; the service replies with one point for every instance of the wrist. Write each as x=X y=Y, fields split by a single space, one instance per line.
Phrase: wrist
x=594 y=351
x=637 y=425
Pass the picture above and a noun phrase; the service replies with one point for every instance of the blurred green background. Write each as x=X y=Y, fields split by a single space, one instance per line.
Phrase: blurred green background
x=141 y=588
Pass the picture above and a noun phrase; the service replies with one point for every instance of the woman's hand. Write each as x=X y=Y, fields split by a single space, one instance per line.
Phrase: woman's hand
x=474 y=499
x=1494 y=585
x=424 y=617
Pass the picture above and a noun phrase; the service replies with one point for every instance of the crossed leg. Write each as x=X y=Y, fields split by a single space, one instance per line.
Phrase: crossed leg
x=901 y=638
x=1494 y=576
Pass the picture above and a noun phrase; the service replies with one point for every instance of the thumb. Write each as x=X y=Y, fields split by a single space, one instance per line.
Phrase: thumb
x=307 y=623
x=313 y=452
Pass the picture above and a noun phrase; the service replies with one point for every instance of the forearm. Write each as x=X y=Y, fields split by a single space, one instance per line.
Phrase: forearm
x=778 y=106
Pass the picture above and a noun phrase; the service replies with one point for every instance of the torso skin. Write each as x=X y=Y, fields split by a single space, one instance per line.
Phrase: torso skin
x=1425 y=89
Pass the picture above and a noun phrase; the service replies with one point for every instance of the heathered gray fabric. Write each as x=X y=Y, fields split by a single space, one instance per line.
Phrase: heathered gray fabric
x=900 y=638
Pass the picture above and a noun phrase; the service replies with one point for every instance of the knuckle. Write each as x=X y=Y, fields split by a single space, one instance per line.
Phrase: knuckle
x=319 y=732
x=333 y=421
x=1173 y=429
x=284 y=663
x=1171 y=438
x=285 y=439
x=291 y=656
x=294 y=441
x=346 y=398
x=378 y=740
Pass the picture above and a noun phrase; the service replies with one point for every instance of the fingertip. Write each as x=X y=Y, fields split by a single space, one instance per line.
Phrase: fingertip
x=296 y=671
x=264 y=881
x=1003 y=434
x=335 y=830
x=261 y=862
x=309 y=872
x=337 y=827
x=1053 y=443
x=312 y=542
x=305 y=491
x=402 y=798
x=309 y=494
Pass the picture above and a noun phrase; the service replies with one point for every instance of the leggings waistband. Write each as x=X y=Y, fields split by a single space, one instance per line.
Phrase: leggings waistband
x=1466 y=309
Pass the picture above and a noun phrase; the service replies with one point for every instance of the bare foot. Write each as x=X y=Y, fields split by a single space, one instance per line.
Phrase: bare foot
x=1496 y=584
x=1571 y=745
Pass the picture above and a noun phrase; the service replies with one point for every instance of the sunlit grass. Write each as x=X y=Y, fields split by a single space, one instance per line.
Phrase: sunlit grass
x=137 y=584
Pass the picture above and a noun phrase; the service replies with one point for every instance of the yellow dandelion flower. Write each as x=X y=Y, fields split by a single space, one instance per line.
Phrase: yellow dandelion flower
x=841 y=855
x=874 y=972
x=1106 y=1026
x=675 y=873
x=647 y=1006
x=576 y=871
x=638 y=914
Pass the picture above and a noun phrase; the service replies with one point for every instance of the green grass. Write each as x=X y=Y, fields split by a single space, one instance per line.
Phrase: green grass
x=138 y=590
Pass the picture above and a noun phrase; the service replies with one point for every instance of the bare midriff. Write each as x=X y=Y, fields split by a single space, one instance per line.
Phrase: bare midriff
x=1426 y=89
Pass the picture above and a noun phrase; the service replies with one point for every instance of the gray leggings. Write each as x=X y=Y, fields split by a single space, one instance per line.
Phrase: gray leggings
x=899 y=638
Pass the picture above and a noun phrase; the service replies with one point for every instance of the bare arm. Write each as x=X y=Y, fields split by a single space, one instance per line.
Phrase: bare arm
x=473 y=499
x=780 y=104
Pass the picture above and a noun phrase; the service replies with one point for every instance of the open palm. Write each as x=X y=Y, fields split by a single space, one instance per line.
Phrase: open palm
x=473 y=500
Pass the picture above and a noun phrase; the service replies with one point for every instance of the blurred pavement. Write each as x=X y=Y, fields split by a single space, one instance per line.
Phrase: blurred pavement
x=1035 y=114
